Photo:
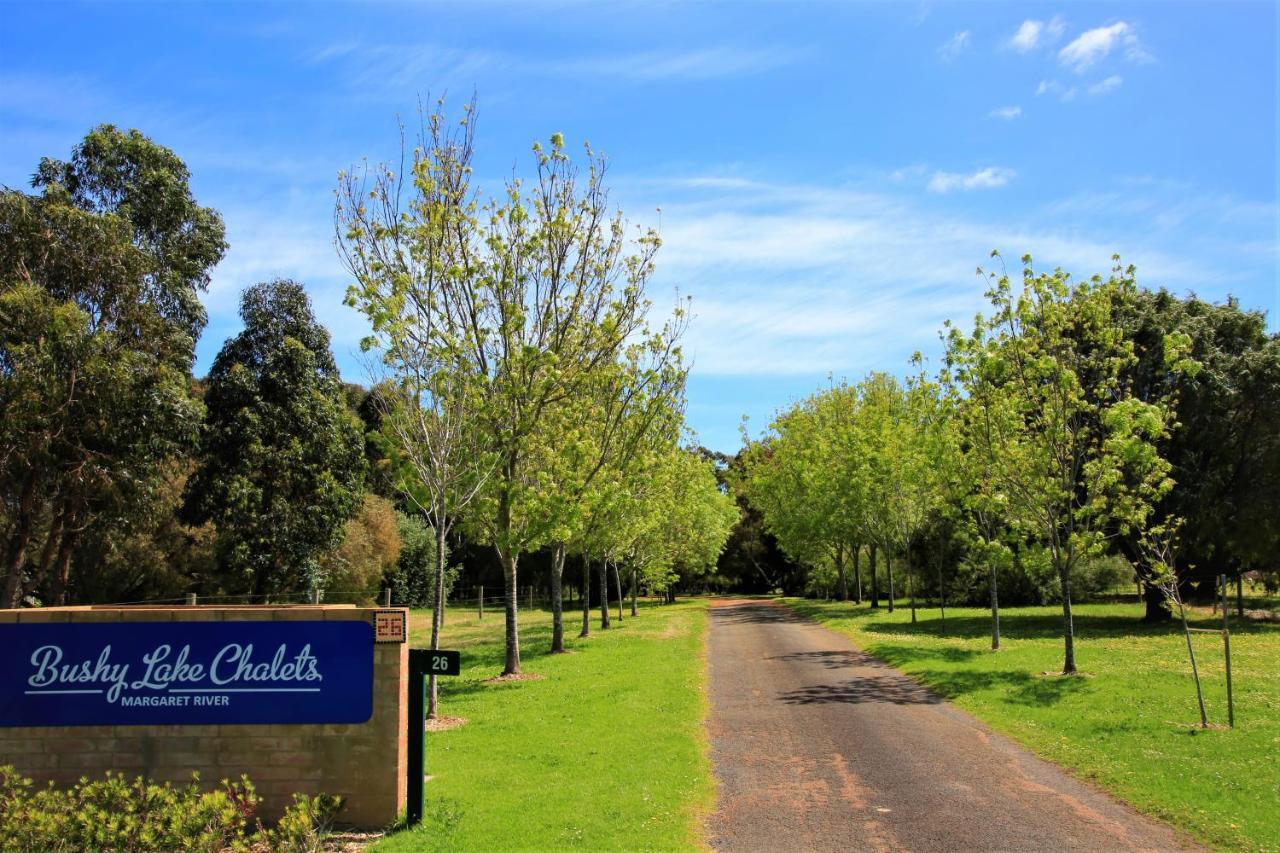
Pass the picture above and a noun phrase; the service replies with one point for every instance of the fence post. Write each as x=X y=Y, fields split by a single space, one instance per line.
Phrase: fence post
x=191 y=599
x=386 y=597
x=1226 y=647
x=316 y=595
x=530 y=596
x=480 y=604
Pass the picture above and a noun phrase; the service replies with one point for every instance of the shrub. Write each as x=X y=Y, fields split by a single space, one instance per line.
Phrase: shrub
x=370 y=546
x=117 y=814
x=413 y=578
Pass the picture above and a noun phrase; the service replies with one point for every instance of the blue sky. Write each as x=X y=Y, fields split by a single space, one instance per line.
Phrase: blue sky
x=828 y=175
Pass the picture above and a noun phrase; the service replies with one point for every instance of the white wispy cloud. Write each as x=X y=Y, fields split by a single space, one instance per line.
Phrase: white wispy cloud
x=1053 y=87
x=988 y=178
x=1093 y=45
x=1027 y=36
x=409 y=64
x=1110 y=84
x=800 y=279
x=1032 y=33
x=1007 y=113
x=956 y=45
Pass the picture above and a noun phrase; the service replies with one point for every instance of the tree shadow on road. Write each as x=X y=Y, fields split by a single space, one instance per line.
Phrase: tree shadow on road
x=894 y=689
x=742 y=614
x=833 y=659
x=1020 y=688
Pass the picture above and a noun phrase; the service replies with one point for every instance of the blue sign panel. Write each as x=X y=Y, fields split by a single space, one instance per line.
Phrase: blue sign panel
x=185 y=673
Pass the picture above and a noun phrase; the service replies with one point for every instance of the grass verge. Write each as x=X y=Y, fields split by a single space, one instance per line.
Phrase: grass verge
x=1130 y=725
x=606 y=752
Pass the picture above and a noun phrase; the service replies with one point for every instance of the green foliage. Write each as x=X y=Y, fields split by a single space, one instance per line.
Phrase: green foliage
x=412 y=580
x=1227 y=407
x=150 y=556
x=99 y=315
x=505 y=323
x=1068 y=453
x=369 y=549
x=115 y=813
x=853 y=465
x=281 y=456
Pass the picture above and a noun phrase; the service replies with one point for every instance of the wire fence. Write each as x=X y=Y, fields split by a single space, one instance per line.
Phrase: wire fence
x=527 y=597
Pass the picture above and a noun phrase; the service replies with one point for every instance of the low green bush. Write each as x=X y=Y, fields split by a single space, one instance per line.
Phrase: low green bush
x=115 y=813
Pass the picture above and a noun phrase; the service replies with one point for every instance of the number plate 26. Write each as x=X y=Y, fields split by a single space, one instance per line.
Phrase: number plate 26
x=441 y=662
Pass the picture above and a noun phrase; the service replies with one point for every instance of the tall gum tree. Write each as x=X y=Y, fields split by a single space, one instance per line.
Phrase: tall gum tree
x=100 y=275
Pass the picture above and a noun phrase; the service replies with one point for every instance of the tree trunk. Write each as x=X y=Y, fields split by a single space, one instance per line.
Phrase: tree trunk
x=62 y=567
x=857 y=572
x=888 y=565
x=1240 y=594
x=911 y=583
x=604 y=593
x=995 y=612
x=586 y=597
x=557 y=603
x=635 y=583
x=509 y=561
x=46 y=553
x=844 y=587
x=1156 y=609
x=617 y=588
x=24 y=526
x=437 y=616
x=1068 y=628
x=875 y=581
x=942 y=596
x=1195 y=672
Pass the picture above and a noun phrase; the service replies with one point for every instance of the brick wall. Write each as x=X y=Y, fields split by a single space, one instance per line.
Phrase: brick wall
x=365 y=764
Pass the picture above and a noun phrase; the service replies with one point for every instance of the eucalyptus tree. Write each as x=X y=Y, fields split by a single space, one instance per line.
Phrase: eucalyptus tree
x=1070 y=445
x=545 y=289
x=100 y=275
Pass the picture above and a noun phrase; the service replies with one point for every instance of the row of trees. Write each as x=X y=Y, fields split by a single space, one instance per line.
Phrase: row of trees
x=531 y=400
x=1077 y=426
x=522 y=401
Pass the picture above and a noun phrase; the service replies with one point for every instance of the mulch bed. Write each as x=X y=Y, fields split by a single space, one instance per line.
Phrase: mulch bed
x=443 y=723
x=518 y=676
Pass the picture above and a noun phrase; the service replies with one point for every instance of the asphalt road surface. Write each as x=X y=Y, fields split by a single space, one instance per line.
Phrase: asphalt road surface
x=818 y=746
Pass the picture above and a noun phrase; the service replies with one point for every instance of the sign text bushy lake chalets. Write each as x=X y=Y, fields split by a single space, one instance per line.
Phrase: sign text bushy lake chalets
x=186 y=673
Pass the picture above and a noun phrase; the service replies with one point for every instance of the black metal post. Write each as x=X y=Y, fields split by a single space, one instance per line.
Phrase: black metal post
x=418 y=663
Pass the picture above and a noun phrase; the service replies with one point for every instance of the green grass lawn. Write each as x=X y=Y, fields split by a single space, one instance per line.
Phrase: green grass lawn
x=607 y=752
x=1130 y=724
